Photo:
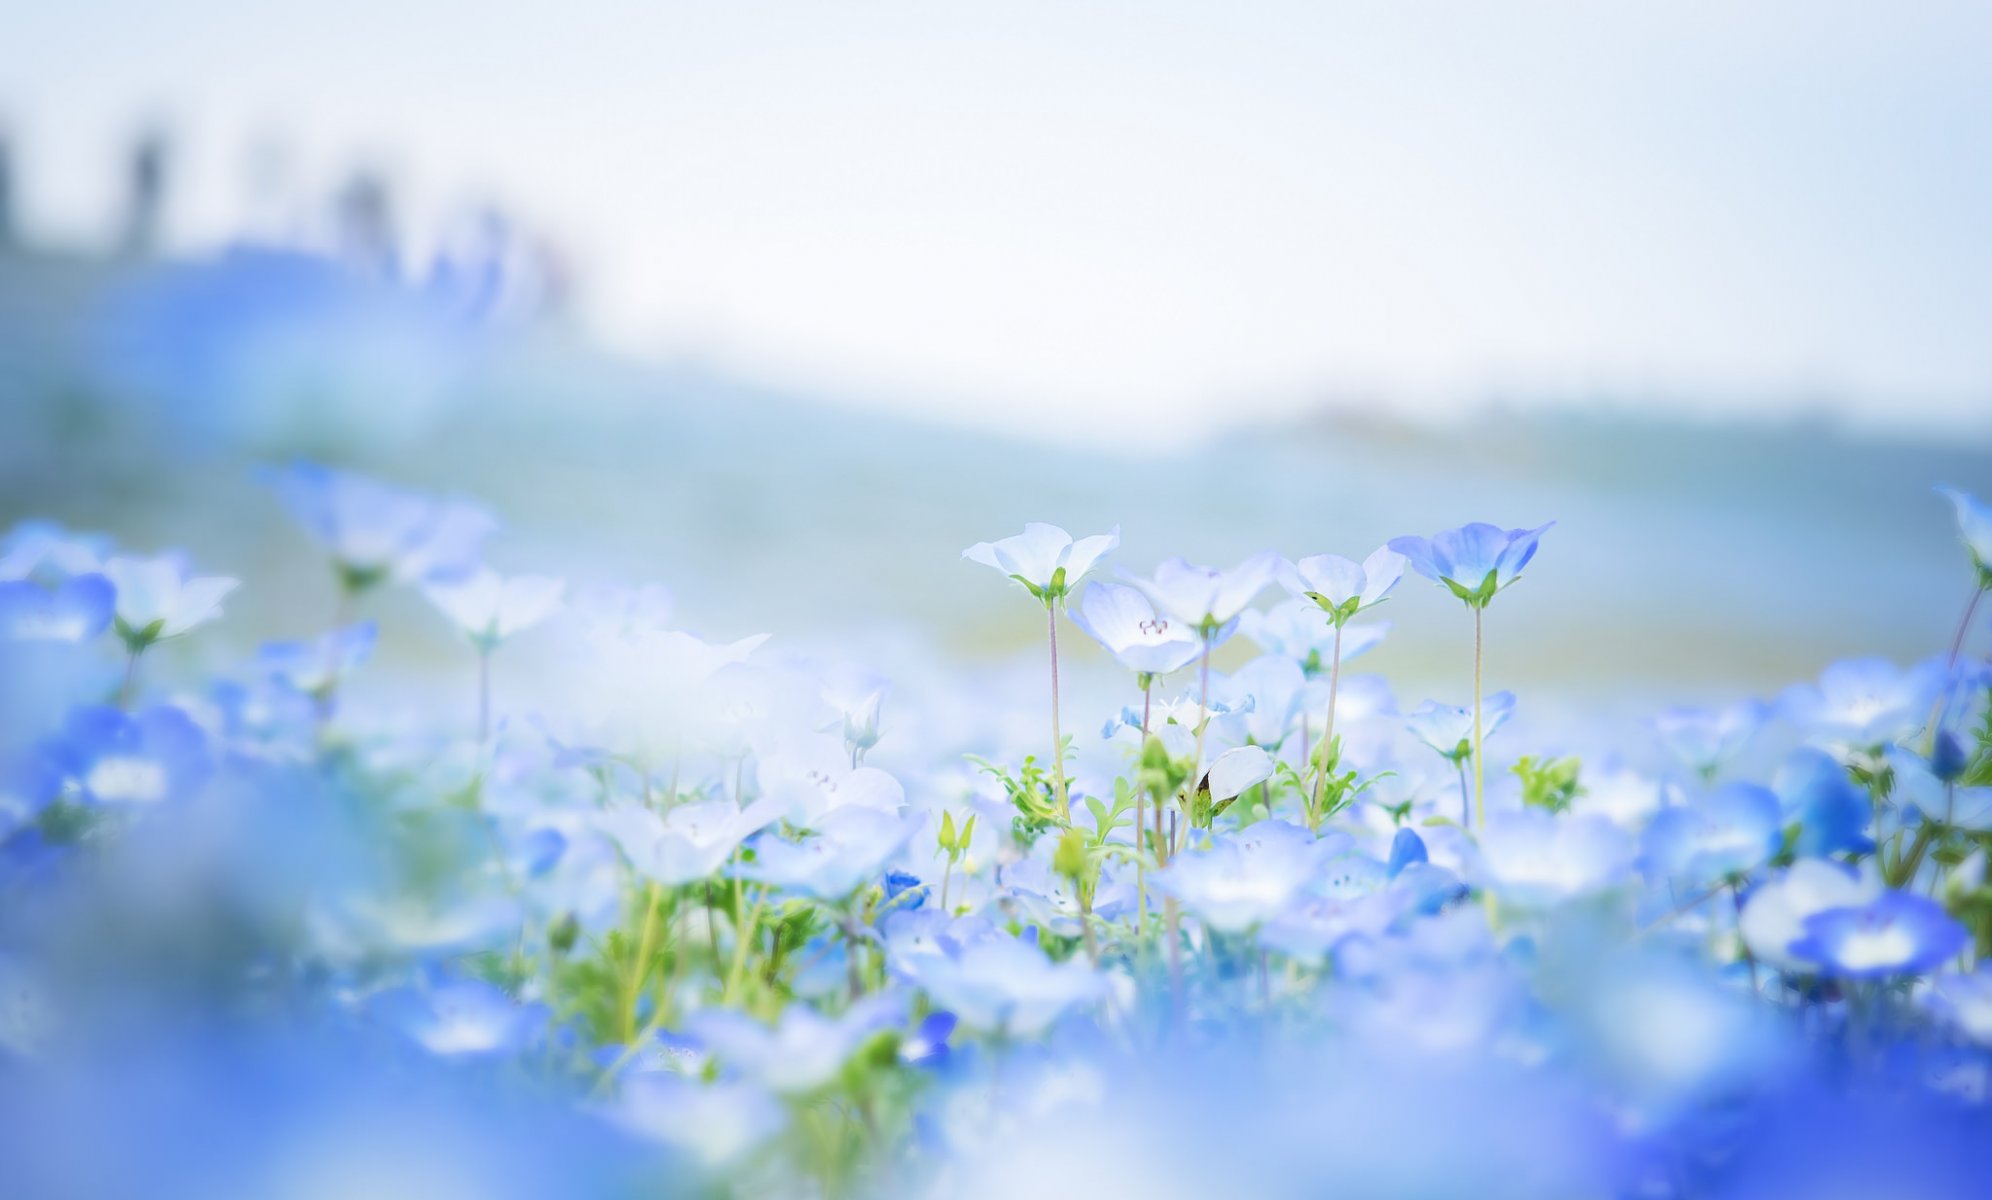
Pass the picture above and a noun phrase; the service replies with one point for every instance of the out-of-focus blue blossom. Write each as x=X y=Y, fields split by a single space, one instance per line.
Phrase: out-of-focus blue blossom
x=1206 y=599
x=29 y=780
x=1832 y=814
x=690 y=842
x=49 y=554
x=1964 y=1002
x=121 y=760
x=1535 y=859
x=490 y=608
x=159 y=597
x=1341 y=587
x=1123 y=620
x=1406 y=848
x=1474 y=561
x=1974 y=526
x=717 y=1124
x=464 y=1018
x=1045 y=558
x=376 y=532
x=1729 y=831
x=1774 y=916
x=74 y=610
x=1867 y=702
x=1242 y=881
x=1704 y=740
x=319 y=665
x=849 y=847
x=803 y=1051
x=1448 y=729
x=1896 y=933
x=857 y=718
x=1000 y=984
x=927 y=1045
x=1295 y=630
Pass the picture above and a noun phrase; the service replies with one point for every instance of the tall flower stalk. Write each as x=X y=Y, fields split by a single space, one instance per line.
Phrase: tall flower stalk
x=1340 y=588
x=1473 y=562
x=1049 y=564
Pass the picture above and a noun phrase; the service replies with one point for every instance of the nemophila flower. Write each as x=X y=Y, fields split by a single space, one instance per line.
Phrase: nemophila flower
x=803 y=1051
x=1964 y=1002
x=1003 y=985
x=1703 y=740
x=1537 y=859
x=74 y=610
x=1294 y=629
x=1045 y=558
x=1775 y=912
x=1867 y=702
x=1125 y=622
x=465 y=1018
x=1241 y=882
x=1206 y=599
x=317 y=666
x=649 y=691
x=716 y=1123
x=690 y=842
x=159 y=598
x=1235 y=770
x=1342 y=587
x=47 y=553
x=1448 y=728
x=1046 y=898
x=29 y=781
x=858 y=711
x=1473 y=562
x=376 y=532
x=490 y=608
x=1896 y=933
x=806 y=789
x=1974 y=526
x=120 y=760
x=1406 y=848
x=1265 y=697
x=1832 y=814
x=849 y=847
x=1725 y=833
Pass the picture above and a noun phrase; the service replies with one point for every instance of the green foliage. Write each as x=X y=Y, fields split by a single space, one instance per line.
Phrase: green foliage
x=1032 y=792
x=1549 y=783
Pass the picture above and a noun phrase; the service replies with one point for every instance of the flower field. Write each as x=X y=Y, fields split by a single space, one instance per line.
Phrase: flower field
x=729 y=916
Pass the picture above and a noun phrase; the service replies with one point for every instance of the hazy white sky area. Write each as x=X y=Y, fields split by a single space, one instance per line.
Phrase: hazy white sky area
x=1137 y=220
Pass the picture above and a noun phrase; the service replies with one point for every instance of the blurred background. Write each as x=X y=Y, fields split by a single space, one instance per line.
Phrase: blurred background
x=783 y=305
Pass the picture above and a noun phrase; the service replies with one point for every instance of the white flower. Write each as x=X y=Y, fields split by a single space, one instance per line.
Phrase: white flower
x=1122 y=619
x=491 y=608
x=157 y=598
x=1206 y=598
x=1044 y=558
x=1341 y=587
x=1774 y=917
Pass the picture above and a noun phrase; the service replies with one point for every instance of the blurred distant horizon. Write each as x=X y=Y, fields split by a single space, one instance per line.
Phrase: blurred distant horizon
x=1122 y=227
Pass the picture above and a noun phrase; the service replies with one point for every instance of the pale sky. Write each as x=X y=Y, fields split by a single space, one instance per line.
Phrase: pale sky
x=1111 y=220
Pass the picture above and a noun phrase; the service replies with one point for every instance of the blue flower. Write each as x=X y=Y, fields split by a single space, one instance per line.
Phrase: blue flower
x=1535 y=858
x=1974 y=526
x=1727 y=832
x=376 y=532
x=1243 y=881
x=466 y=1018
x=1775 y=913
x=75 y=610
x=1295 y=630
x=1448 y=729
x=1044 y=558
x=1831 y=812
x=1341 y=587
x=1206 y=599
x=1868 y=701
x=849 y=848
x=1123 y=620
x=803 y=1051
x=1474 y=561
x=1406 y=847
x=47 y=553
x=1897 y=933
x=1703 y=740
x=118 y=760
x=996 y=982
x=904 y=891
x=317 y=666
x=159 y=597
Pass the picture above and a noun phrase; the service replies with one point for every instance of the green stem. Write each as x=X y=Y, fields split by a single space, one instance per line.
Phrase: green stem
x=1479 y=768
x=640 y=967
x=1057 y=738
